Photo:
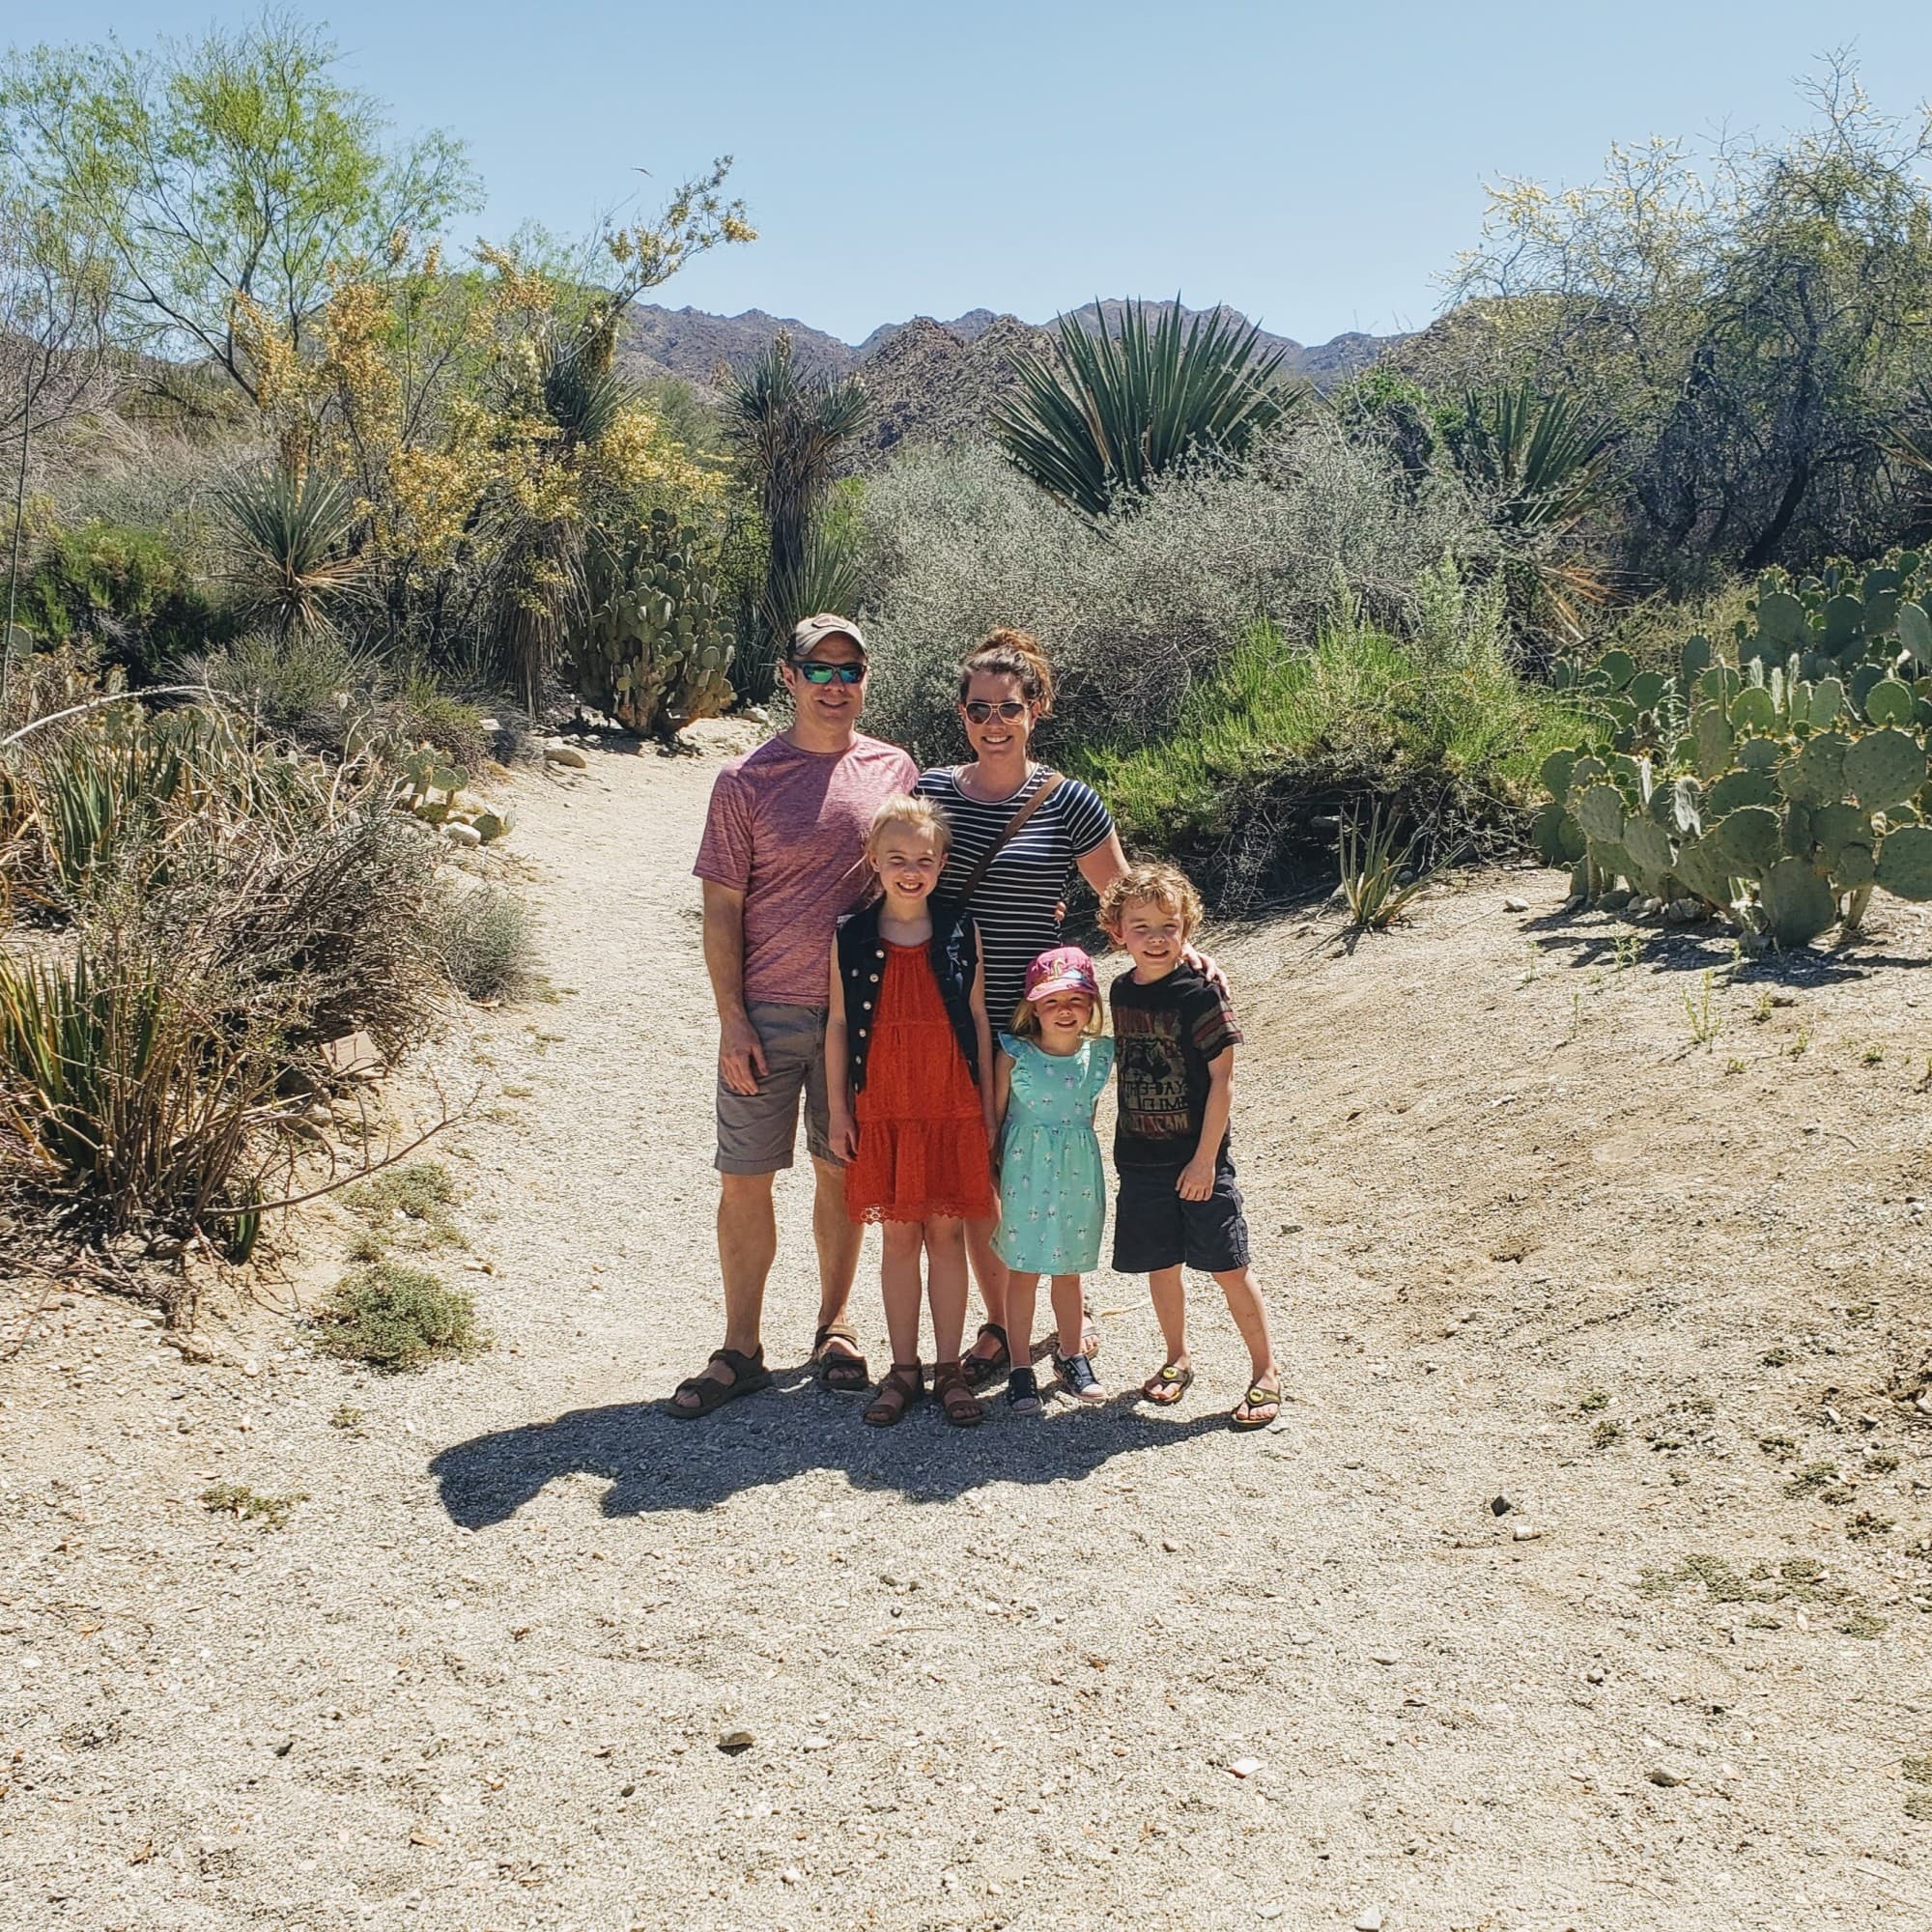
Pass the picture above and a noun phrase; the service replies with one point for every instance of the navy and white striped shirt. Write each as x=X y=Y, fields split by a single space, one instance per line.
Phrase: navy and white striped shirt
x=1017 y=904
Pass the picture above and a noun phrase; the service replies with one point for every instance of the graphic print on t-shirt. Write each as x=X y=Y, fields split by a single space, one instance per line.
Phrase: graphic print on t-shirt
x=1153 y=1072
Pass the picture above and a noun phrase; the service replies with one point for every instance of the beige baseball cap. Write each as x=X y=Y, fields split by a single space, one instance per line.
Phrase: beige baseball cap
x=812 y=632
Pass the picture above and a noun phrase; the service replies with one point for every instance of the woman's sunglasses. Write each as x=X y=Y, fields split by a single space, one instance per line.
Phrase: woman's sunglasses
x=978 y=710
x=815 y=673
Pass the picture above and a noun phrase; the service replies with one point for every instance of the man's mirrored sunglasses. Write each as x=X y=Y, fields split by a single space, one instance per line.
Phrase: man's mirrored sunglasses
x=815 y=673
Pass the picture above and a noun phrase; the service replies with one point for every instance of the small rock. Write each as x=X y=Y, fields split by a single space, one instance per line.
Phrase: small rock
x=352 y=1056
x=1382 y=1657
x=286 y=1745
x=1500 y=1506
x=1369 y=1919
x=251 y=1367
x=566 y=755
x=1523 y=1533
x=1595 y=1674
x=816 y=1742
x=462 y=835
x=1246 y=1767
x=735 y=1741
x=1515 y=905
x=1168 y=1544
x=1667 y=1775
x=491 y=725
x=1269 y=1911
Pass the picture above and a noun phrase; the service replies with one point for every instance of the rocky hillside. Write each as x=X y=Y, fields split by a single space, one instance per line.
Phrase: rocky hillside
x=932 y=380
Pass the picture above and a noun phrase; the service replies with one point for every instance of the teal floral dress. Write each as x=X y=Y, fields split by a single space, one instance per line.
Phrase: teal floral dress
x=1053 y=1196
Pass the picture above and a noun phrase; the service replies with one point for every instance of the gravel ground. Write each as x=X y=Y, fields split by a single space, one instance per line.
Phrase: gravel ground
x=1526 y=1241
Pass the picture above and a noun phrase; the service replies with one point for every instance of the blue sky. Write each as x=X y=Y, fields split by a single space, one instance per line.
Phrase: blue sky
x=1318 y=167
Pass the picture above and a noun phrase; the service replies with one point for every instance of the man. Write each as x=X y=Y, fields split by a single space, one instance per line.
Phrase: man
x=782 y=858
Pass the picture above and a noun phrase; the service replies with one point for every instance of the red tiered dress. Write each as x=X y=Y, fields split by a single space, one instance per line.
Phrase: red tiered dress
x=922 y=1127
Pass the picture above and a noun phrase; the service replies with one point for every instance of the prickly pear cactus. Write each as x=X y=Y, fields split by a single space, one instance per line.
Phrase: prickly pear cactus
x=655 y=651
x=1782 y=778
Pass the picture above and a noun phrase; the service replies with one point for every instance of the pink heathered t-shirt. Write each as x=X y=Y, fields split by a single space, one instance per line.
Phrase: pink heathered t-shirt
x=787 y=829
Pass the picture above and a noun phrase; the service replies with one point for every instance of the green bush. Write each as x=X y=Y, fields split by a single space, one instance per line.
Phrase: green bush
x=422 y=1191
x=1264 y=762
x=397 y=1317
x=126 y=589
x=483 y=939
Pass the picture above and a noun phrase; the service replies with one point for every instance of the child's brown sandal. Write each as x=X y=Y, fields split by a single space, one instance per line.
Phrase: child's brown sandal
x=903 y=1385
x=955 y=1398
x=1260 y=1396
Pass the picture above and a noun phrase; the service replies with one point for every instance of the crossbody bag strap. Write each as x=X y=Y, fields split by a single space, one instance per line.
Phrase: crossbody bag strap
x=1052 y=784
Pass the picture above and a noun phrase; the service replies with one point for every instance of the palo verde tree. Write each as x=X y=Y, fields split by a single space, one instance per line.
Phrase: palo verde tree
x=54 y=363
x=1755 y=327
x=229 y=170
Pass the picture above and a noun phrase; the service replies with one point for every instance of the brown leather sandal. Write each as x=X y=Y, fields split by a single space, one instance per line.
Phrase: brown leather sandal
x=839 y=1372
x=903 y=1385
x=954 y=1395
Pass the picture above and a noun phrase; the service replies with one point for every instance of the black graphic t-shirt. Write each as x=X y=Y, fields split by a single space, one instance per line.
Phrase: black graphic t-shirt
x=1165 y=1034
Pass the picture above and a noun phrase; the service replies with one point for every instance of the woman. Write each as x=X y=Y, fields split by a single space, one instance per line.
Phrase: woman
x=1018 y=900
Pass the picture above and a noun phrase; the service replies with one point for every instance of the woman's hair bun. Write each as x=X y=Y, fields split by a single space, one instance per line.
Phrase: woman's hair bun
x=1012 y=653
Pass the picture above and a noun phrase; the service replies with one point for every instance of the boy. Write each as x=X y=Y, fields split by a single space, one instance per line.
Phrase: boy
x=1174 y=1038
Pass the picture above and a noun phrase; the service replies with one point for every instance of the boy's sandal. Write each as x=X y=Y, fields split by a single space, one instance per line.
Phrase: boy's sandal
x=1260 y=1396
x=902 y=1386
x=983 y=1368
x=955 y=1398
x=748 y=1374
x=1167 y=1385
x=841 y=1371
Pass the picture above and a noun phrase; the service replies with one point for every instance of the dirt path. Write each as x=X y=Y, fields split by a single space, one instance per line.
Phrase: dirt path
x=1120 y=1669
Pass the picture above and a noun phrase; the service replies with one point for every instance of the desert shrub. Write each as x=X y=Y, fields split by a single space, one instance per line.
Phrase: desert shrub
x=425 y=711
x=421 y=1191
x=1139 y=611
x=1254 y=779
x=126 y=589
x=334 y=928
x=311 y=688
x=128 y=1093
x=483 y=940
x=397 y=1317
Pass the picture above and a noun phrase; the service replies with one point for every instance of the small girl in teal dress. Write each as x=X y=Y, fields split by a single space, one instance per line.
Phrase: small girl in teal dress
x=1048 y=1079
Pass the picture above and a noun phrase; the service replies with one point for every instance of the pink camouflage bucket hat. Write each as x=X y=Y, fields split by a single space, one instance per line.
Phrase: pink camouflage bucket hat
x=1064 y=969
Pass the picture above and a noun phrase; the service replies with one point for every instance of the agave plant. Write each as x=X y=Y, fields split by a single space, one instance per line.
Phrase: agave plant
x=293 y=537
x=1113 y=411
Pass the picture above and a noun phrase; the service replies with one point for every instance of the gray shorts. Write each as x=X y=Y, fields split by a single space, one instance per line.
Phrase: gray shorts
x=758 y=1132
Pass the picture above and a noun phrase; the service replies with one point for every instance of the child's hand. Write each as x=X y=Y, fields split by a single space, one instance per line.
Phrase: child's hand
x=1197 y=1179
x=842 y=1130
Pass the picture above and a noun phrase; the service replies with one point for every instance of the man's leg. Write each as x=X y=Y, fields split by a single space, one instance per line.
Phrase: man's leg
x=747 y=1243
x=839 y=1240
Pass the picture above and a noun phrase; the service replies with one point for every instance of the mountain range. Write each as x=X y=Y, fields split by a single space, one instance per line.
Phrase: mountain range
x=928 y=380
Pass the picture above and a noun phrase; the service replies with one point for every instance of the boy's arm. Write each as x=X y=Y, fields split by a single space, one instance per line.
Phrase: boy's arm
x=1197 y=1178
x=840 y=1128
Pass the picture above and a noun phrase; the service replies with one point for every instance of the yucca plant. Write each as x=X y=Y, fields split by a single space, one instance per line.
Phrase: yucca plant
x=1538 y=458
x=120 y=1096
x=1539 y=461
x=787 y=429
x=1114 y=410
x=291 y=534
x=1380 y=876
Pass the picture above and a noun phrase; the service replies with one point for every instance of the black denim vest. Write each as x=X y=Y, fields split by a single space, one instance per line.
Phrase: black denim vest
x=862 y=966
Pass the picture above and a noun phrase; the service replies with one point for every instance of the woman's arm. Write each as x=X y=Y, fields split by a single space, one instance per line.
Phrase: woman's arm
x=985 y=1036
x=1105 y=864
x=840 y=1129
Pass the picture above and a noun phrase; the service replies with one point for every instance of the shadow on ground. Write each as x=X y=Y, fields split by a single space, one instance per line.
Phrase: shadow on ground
x=654 y=1462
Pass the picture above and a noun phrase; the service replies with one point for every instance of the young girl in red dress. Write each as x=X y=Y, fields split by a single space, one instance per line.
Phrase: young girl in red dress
x=908 y=1067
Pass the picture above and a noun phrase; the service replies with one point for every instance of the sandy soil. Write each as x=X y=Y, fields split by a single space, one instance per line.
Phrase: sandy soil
x=1525 y=1238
